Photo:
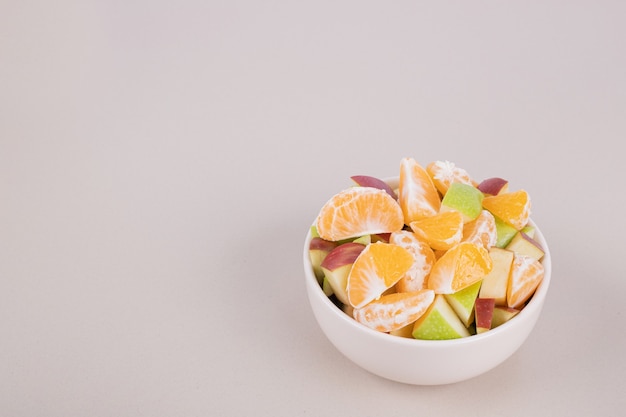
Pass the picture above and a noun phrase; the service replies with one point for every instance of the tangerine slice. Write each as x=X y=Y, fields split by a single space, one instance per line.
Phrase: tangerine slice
x=444 y=173
x=417 y=194
x=441 y=231
x=394 y=311
x=459 y=267
x=526 y=275
x=423 y=261
x=481 y=231
x=513 y=208
x=376 y=269
x=359 y=211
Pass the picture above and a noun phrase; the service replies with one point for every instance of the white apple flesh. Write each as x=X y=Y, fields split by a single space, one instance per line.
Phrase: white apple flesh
x=526 y=245
x=318 y=250
x=336 y=267
x=495 y=283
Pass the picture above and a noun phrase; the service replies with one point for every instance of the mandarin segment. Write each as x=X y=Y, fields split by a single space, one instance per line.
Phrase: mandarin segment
x=394 y=311
x=359 y=211
x=417 y=194
x=526 y=275
x=513 y=207
x=481 y=231
x=423 y=260
x=459 y=267
x=444 y=173
x=441 y=231
x=375 y=270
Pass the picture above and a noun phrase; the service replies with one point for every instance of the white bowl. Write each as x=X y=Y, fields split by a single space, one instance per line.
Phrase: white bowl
x=424 y=362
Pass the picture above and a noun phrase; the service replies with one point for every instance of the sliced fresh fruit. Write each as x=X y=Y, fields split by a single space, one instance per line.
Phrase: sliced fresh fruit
x=326 y=287
x=459 y=267
x=505 y=233
x=493 y=186
x=441 y=231
x=496 y=282
x=526 y=245
x=465 y=199
x=439 y=322
x=484 y=314
x=481 y=231
x=423 y=261
x=337 y=265
x=462 y=302
x=376 y=269
x=529 y=230
x=367 y=181
x=417 y=194
x=406 y=331
x=526 y=275
x=445 y=173
x=394 y=311
x=318 y=250
x=502 y=314
x=359 y=211
x=512 y=207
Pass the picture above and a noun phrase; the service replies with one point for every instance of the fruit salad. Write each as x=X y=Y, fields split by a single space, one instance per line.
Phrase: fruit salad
x=434 y=255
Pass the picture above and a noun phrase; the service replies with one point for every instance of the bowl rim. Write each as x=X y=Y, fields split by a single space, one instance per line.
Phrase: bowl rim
x=535 y=303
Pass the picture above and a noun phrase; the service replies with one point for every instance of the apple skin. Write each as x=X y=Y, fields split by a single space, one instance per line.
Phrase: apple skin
x=465 y=199
x=526 y=245
x=493 y=186
x=336 y=267
x=318 y=250
x=484 y=314
x=495 y=282
x=367 y=181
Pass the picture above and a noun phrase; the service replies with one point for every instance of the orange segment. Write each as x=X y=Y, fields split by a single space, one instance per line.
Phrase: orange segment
x=359 y=211
x=423 y=261
x=481 y=231
x=394 y=311
x=417 y=194
x=513 y=208
x=441 y=231
x=459 y=267
x=526 y=275
x=376 y=269
x=444 y=173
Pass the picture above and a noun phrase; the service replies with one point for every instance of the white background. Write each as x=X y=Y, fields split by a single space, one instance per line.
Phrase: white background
x=161 y=161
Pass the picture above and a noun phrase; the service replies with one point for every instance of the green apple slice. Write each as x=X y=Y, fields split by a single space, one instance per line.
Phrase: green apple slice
x=505 y=232
x=440 y=322
x=462 y=302
x=465 y=199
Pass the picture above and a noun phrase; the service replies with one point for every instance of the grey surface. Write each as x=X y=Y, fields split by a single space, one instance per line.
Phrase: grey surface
x=160 y=163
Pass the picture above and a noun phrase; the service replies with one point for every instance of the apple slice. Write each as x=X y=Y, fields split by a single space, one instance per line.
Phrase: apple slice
x=493 y=186
x=337 y=265
x=440 y=322
x=495 y=282
x=504 y=231
x=526 y=245
x=502 y=314
x=318 y=250
x=462 y=302
x=484 y=314
x=465 y=199
x=367 y=181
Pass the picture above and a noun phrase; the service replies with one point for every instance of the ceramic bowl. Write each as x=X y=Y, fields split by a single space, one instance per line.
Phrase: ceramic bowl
x=424 y=362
